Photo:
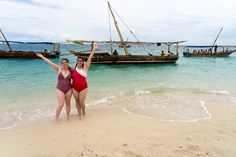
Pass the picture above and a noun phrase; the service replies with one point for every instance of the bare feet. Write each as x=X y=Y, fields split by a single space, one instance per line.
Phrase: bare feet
x=57 y=119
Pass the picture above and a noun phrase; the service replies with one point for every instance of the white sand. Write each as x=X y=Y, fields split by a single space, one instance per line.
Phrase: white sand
x=111 y=132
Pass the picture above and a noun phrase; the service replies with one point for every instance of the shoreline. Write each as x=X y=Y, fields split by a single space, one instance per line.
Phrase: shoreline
x=109 y=131
x=172 y=120
x=74 y=112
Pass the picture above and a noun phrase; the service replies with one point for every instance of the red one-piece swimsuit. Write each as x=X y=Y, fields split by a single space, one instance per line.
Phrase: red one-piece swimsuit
x=79 y=81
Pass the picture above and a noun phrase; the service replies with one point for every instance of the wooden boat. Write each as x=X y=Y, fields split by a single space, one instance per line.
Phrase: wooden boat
x=28 y=54
x=208 y=51
x=107 y=58
x=128 y=46
x=114 y=58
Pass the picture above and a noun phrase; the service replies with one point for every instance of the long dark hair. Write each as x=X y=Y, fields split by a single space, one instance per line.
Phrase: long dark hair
x=77 y=60
x=67 y=60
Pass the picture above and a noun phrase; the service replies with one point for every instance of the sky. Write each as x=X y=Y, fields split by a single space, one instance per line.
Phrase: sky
x=197 y=21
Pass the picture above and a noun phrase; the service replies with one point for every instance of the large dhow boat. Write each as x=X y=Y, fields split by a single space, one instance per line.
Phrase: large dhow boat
x=113 y=57
x=209 y=51
x=10 y=53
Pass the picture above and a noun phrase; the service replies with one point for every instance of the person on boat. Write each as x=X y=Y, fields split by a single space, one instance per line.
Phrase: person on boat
x=79 y=76
x=45 y=51
x=187 y=51
x=64 y=90
x=201 y=52
x=215 y=48
x=210 y=51
x=167 y=53
x=115 y=52
x=227 y=50
x=162 y=53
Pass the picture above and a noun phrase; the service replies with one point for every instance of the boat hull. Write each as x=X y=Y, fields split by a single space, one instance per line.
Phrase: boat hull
x=106 y=58
x=217 y=54
x=29 y=54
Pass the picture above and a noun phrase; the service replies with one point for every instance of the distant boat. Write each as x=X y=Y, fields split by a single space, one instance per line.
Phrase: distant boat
x=114 y=57
x=121 y=45
x=201 y=52
x=208 y=51
x=28 y=54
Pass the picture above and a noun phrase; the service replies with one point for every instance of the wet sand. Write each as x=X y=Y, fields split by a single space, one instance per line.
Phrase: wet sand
x=111 y=132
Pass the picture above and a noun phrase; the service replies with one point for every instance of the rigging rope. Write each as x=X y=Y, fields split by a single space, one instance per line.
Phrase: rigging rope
x=128 y=28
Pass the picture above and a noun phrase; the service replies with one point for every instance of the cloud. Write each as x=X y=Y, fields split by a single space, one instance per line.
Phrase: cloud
x=195 y=21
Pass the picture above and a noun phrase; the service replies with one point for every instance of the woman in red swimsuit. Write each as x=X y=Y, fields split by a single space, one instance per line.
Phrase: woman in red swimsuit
x=79 y=76
x=64 y=90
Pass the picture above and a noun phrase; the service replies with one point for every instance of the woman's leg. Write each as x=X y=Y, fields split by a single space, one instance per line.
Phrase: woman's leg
x=68 y=98
x=76 y=96
x=82 y=97
x=60 y=100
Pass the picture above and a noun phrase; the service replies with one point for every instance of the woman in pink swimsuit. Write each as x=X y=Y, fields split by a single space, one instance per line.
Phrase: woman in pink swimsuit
x=64 y=90
x=79 y=76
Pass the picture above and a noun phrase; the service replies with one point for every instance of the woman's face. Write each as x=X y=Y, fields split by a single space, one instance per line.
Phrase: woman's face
x=80 y=62
x=64 y=63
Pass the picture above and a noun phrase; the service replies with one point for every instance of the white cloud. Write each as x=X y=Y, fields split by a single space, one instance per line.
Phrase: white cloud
x=58 y=20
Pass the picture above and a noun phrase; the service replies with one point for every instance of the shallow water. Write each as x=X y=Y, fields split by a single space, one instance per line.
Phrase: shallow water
x=165 y=92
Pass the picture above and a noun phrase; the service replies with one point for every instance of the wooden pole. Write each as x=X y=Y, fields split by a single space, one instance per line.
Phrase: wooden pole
x=177 y=49
x=53 y=48
x=217 y=37
x=6 y=40
x=168 y=48
x=118 y=30
x=58 y=47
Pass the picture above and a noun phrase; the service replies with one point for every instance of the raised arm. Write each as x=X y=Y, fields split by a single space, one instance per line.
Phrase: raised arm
x=53 y=65
x=95 y=46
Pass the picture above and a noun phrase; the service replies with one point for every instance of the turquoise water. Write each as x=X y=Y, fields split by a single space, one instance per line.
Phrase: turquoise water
x=166 y=92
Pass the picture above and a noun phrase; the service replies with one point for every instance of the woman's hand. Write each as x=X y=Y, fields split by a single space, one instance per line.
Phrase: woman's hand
x=95 y=47
x=39 y=55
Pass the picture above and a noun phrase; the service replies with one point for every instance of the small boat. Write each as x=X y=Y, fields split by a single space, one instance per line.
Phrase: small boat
x=208 y=51
x=27 y=54
x=114 y=57
x=121 y=46
x=55 y=53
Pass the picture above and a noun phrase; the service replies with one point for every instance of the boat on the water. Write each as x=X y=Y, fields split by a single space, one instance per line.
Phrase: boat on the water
x=121 y=46
x=10 y=53
x=27 y=54
x=208 y=51
x=113 y=57
x=108 y=58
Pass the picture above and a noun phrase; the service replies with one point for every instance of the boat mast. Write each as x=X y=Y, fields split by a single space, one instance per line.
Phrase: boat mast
x=217 y=37
x=177 y=49
x=118 y=30
x=6 y=40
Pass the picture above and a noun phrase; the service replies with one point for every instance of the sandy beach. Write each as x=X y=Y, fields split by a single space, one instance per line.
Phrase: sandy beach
x=111 y=132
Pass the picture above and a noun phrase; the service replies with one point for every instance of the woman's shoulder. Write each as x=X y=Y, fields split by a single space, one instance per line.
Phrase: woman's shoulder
x=59 y=70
